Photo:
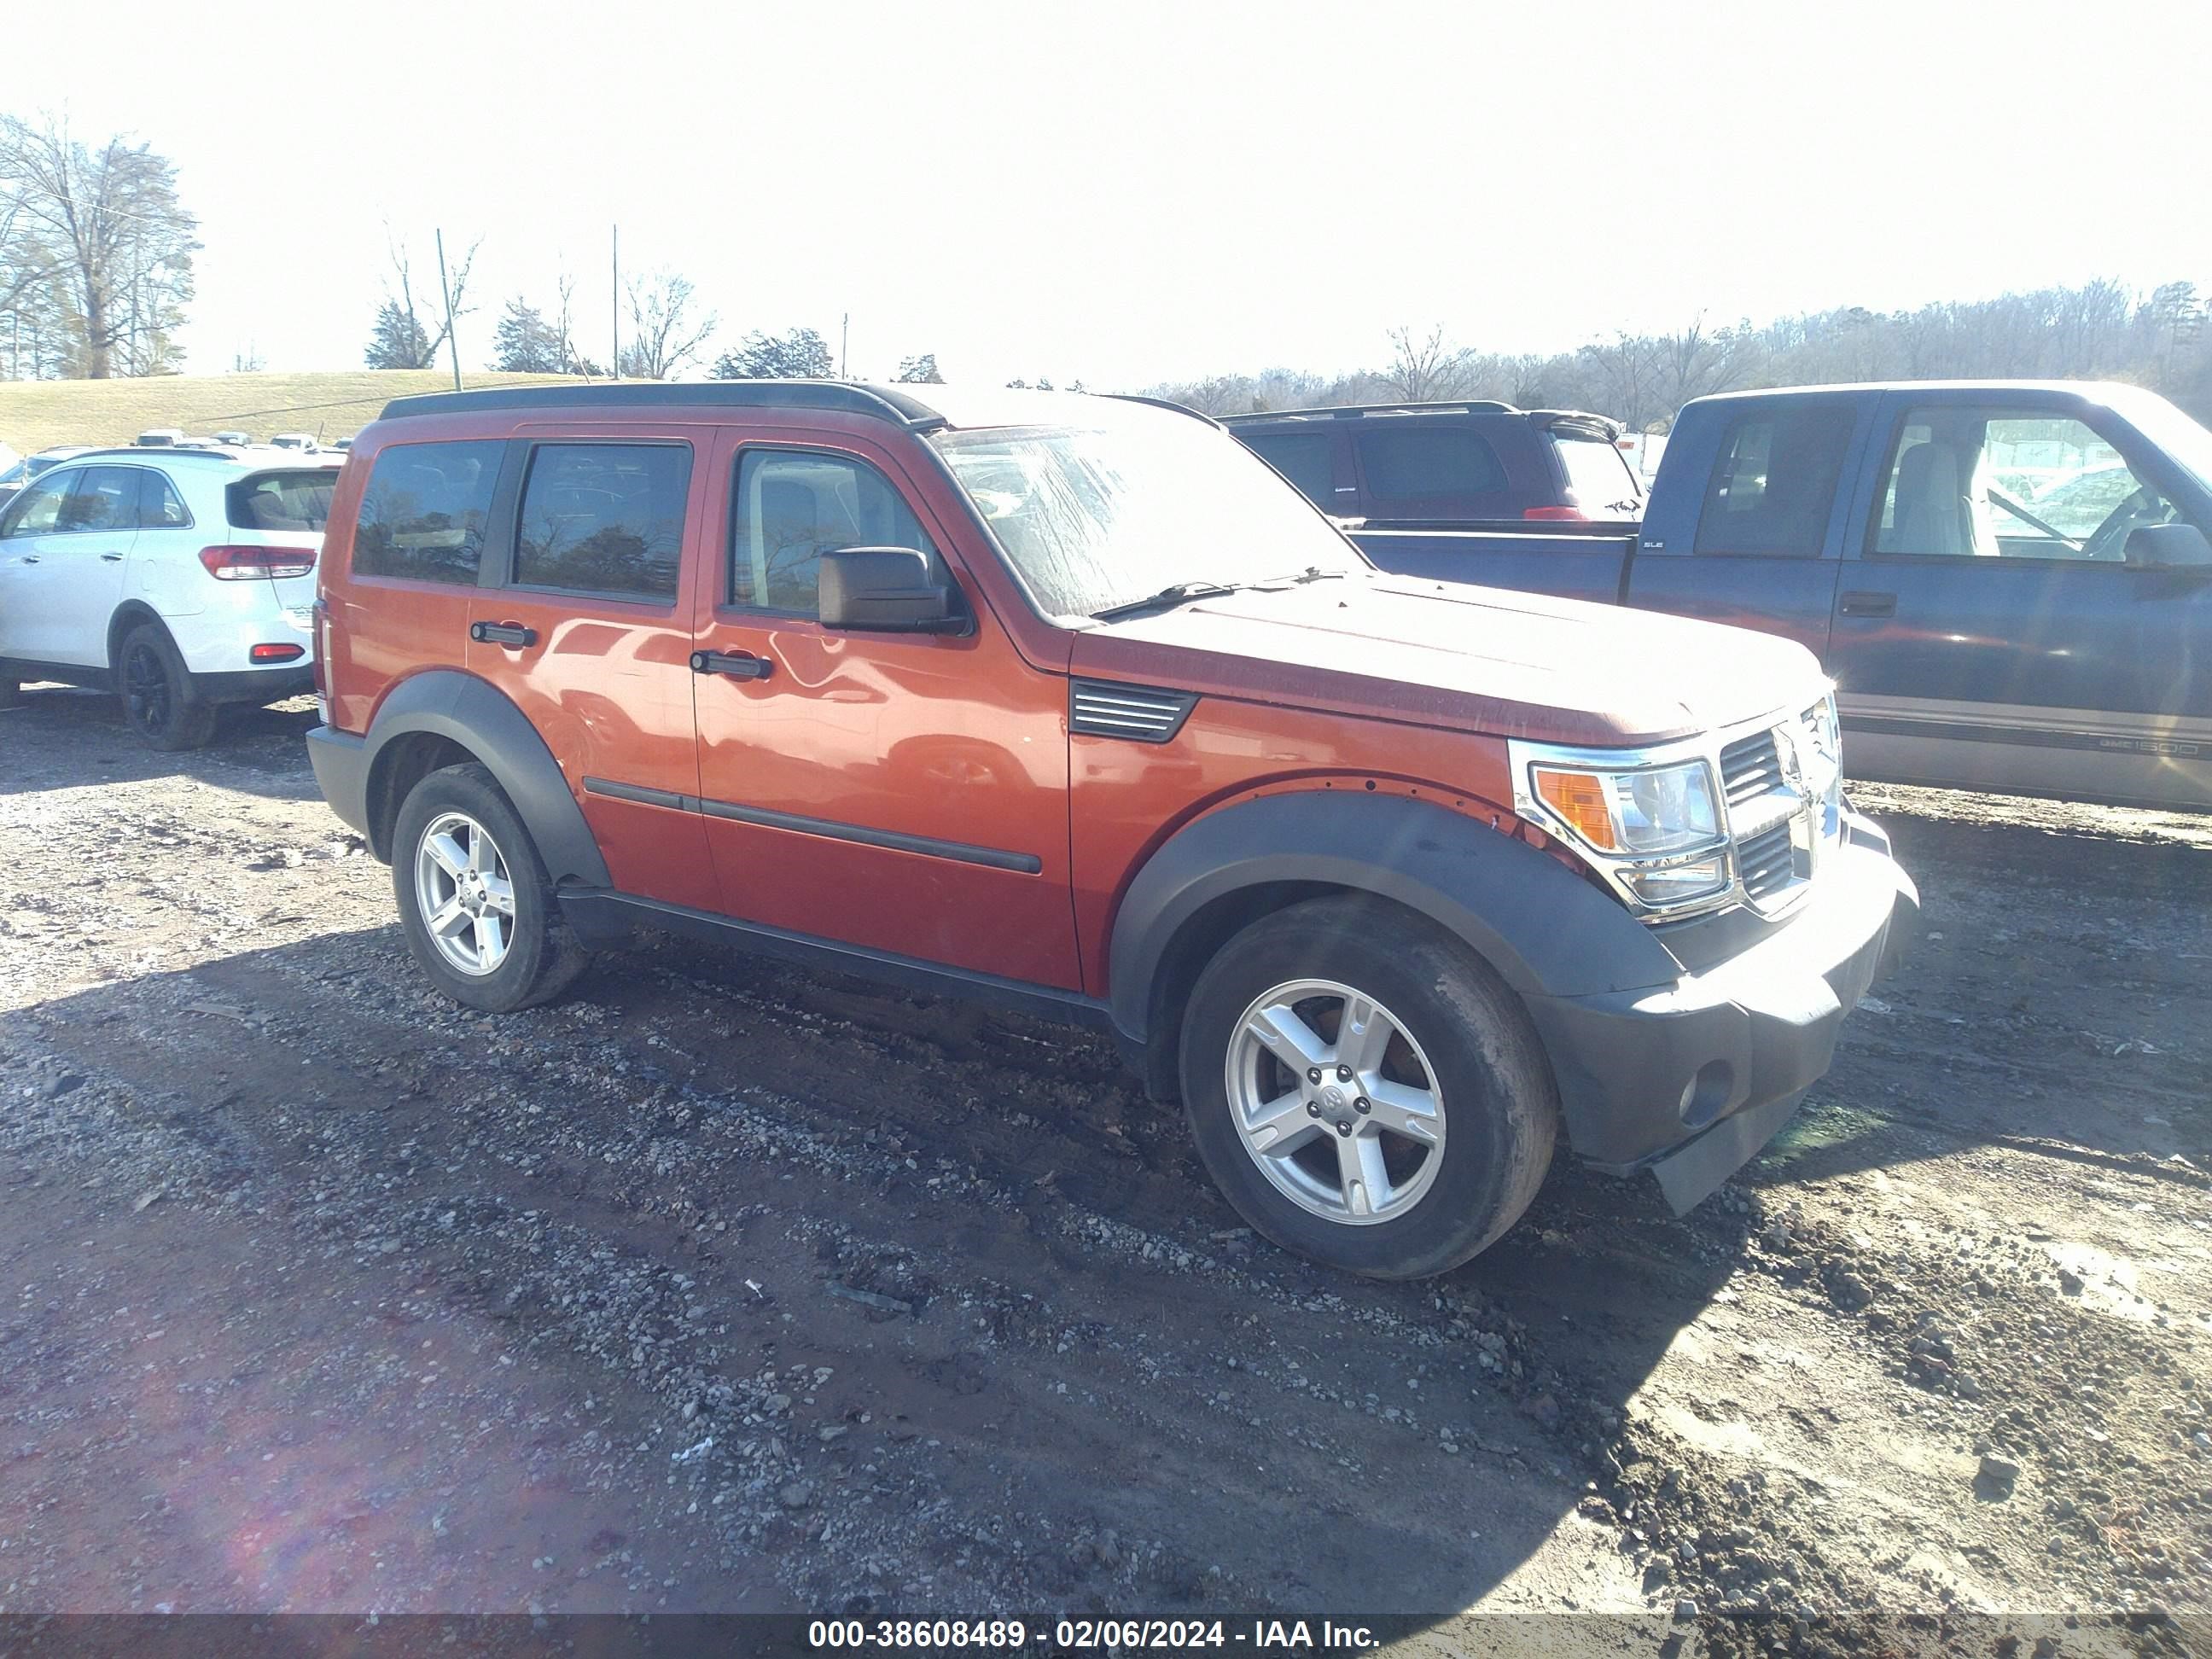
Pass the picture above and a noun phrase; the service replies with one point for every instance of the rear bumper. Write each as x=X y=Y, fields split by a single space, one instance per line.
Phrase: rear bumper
x=256 y=684
x=341 y=762
x=1691 y=1079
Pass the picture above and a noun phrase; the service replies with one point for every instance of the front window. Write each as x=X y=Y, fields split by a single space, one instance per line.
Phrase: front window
x=1095 y=517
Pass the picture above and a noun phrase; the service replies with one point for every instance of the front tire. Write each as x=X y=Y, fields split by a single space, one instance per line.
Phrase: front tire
x=159 y=704
x=475 y=901
x=1364 y=1090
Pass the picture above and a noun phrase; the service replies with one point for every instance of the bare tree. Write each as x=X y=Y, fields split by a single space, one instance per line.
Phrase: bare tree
x=666 y=335
x=1423 y=369
x=405 y=336
x=101 y=230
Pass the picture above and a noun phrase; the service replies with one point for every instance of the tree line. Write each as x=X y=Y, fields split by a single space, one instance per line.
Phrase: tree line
x=2100 y=330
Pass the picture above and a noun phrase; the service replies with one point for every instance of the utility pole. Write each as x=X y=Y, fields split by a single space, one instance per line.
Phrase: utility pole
x=614 y=310
x=844 y=339
x=446 y=294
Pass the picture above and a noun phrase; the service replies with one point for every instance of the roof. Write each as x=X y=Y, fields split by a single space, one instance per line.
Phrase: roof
x=916 y=408
x=1355 y=412
x=255 y=458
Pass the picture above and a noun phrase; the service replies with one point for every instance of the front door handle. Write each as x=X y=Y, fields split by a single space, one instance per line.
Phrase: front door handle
x=511 y=634
x=112 y=558
x=1870 y=604
x=738 y=664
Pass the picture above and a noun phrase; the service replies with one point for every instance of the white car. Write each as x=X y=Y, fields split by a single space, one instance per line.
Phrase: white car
x=182 y=580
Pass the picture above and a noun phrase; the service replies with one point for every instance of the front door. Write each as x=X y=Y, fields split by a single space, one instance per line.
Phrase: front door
x=65 y=561
x=1988 y=631
x=903 y=793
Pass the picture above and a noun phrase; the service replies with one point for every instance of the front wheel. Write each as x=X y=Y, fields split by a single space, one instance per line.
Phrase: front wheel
x=475 y=900
x=1364 y=1090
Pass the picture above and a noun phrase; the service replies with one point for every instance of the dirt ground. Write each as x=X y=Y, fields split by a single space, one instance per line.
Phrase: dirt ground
x=723 y=1286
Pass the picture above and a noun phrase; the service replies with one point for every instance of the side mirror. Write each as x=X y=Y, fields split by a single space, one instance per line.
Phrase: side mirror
x=2176 y=546
x=885 y=590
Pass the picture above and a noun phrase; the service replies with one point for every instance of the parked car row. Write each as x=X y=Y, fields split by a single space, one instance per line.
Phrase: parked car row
x=2041 y=626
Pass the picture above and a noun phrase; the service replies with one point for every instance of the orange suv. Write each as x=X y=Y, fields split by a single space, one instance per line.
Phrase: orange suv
x=1070 y=704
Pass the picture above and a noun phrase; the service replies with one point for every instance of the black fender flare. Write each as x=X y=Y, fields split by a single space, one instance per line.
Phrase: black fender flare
x=474 y=714
x=1545 y=931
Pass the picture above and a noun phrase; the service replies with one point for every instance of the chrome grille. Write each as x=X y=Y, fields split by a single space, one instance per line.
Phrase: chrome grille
x=1750 y=767
x=1765 y=862
x=1141 y=714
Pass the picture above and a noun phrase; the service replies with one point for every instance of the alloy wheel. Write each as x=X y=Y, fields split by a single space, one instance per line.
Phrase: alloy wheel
x=465 y=896
x=1335 y=1102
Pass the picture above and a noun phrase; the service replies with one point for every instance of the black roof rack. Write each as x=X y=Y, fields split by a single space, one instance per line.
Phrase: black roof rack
x=881 y=403
x=1353 y=411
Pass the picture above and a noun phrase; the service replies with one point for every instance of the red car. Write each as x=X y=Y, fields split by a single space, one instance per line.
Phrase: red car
x=1070 y=704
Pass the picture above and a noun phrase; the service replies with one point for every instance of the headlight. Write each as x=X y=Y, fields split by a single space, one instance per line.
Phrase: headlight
x=1667 y=810
x=1654 y=832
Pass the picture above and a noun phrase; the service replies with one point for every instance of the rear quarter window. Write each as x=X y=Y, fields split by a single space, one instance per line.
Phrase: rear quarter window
x=1413 y=462
x=424 y=511
x=283 y=500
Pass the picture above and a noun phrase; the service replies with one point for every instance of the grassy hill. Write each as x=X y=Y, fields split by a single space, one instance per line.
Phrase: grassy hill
x=36 y=413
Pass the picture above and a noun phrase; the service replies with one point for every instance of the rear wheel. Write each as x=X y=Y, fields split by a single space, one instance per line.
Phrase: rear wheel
x=475 y=900
x=1364 y=1090
x=158 y=702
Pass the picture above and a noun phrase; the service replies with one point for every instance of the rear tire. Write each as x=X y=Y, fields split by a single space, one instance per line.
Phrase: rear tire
x=475 y=900
x=155 y=689
x=1457 y=1135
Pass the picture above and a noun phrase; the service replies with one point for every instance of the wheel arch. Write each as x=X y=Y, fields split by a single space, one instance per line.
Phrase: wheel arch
x=1541 y=928
x=128 y=615
x=443 y=717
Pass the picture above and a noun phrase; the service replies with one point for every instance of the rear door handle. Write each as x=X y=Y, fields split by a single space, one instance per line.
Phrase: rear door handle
x=738 y=664
x=511 y=634
x=1870 y=604
x=112 y=558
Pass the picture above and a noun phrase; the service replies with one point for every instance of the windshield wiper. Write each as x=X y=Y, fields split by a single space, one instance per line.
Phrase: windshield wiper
x=1175 y=594
x=1184 y=593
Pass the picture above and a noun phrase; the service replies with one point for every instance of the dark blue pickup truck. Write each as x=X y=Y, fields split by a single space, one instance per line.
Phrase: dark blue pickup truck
x=2010 y=582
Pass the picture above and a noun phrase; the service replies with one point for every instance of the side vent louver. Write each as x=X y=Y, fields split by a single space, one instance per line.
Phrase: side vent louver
x=1142 y=714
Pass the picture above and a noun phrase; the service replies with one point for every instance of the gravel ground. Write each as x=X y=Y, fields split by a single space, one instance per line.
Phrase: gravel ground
x=723 y=1286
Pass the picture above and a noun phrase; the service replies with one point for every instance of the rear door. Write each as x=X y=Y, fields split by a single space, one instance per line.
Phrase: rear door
x=69 y=579
x=1316 y=461
x=584 y=623
x=1763 y=548
x=904 y=792
x=1988 y=632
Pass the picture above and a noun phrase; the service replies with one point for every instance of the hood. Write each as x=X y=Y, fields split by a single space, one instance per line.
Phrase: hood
x=1479 y=660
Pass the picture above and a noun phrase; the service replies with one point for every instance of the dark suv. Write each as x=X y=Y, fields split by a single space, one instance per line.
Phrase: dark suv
x=1459 y=462
x=1066 y=703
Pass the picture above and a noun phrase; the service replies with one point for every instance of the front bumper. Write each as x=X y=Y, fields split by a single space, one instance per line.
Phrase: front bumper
x=1691 y=1079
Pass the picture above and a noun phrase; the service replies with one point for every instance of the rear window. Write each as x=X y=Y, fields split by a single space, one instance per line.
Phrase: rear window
x=1603 y=484
x=283 y=500
x=1415 y=461
x=603 y=518
x=1301 y=457
x=1774 y=482
x=422 y=515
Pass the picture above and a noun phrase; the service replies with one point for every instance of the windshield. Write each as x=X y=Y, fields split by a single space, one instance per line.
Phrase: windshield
x=1600 y=475
x=2185 y=442
x=1095 y=517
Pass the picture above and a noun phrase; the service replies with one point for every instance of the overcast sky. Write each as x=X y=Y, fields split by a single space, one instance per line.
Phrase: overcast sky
x=1126 y=192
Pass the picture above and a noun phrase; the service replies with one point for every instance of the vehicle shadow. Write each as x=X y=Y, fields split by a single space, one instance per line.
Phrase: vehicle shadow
x=64 y=736
x=1083 y=1332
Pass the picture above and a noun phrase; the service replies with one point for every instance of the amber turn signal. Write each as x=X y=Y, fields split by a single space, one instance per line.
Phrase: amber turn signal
x=1579 y=799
